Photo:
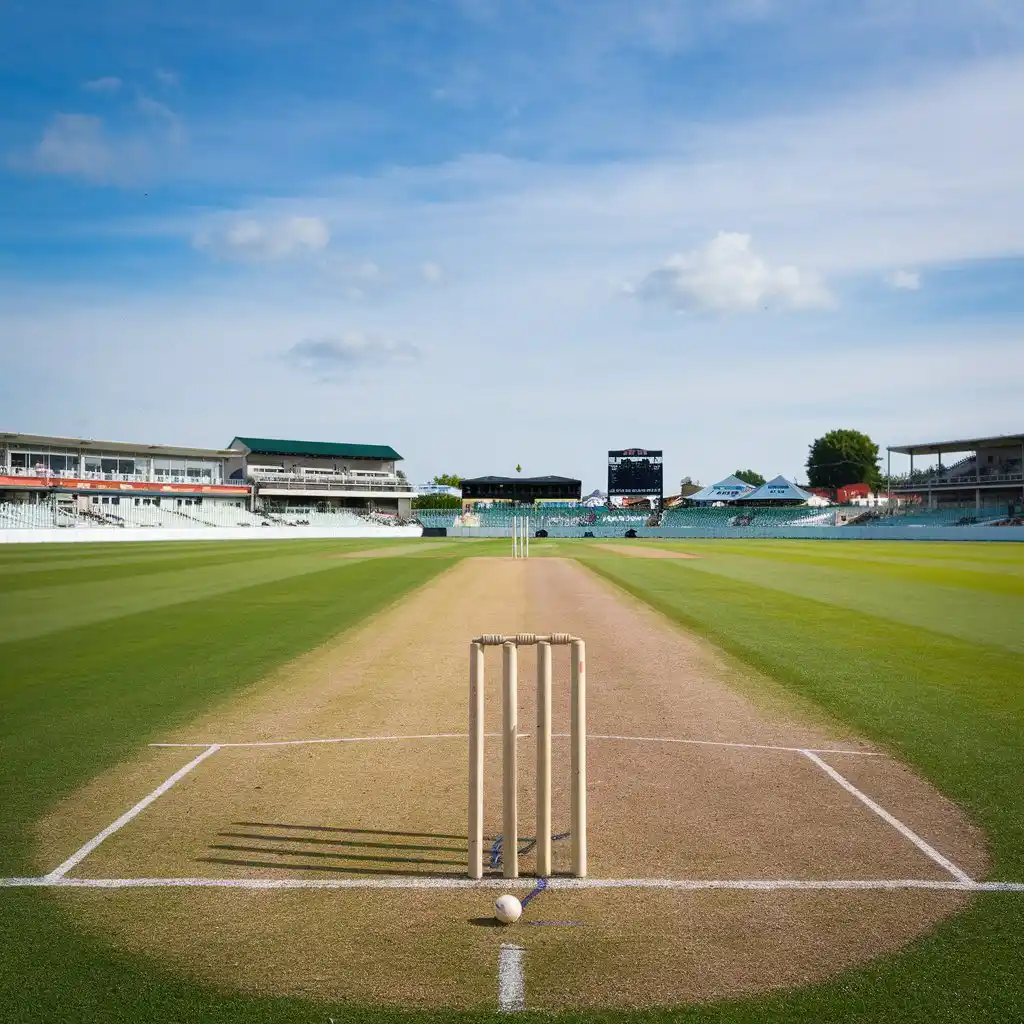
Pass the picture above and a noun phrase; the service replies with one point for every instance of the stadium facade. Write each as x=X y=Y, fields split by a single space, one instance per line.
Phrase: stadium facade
x=989 y=473
x=523 y=490
x=251 y=473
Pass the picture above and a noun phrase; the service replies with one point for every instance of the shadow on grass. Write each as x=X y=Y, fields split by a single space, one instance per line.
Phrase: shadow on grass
x=333 y=848
x=330 y=855
x=350 y=831
x=345 y=869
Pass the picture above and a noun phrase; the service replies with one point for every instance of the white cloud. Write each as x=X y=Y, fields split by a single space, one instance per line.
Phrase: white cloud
x=727 y=276
x=331 y=358
x=75 y=145
x=162 y=115
x=250 y=239
x=85 y=146
x=904 y=280
x=432 y=273
x=108 y=83
x=366 y=271
x=168 y=79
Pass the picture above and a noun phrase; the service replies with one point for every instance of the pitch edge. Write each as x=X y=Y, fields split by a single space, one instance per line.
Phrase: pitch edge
x=412 y=882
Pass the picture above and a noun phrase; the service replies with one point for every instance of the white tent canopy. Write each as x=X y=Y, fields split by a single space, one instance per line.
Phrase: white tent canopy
x=729 y=489
x=779 y=489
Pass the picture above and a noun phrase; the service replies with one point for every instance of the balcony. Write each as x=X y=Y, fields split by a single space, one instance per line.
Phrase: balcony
x=337 y=484
x=270 y=481
x=937 y=481
x=57 y=475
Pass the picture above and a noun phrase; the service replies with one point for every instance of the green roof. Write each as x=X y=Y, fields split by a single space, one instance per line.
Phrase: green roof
x=275 y=446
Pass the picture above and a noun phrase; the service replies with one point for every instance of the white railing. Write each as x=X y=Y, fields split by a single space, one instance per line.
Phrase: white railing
x=908 y=483
x=131 y=478
x=262 y=475
x=339 y=483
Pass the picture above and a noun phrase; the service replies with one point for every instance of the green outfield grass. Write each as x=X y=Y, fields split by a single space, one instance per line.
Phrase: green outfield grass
x=916 y=645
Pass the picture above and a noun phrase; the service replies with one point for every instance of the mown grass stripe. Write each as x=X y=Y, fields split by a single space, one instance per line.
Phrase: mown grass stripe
x=114 y=685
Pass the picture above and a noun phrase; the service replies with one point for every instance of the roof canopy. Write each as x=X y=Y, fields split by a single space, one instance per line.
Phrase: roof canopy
x=86 y=444
x=520 y=480
x=969 y=445
x=779 y=489
x=322 y=449
x=729 y=489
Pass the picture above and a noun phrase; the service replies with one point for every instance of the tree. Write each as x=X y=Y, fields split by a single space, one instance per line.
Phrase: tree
x=843 y=457
x=749 y=476
x=436 y=501
x=448 y=479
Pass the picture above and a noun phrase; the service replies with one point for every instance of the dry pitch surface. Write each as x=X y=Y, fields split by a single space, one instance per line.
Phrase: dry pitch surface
x=386 y=809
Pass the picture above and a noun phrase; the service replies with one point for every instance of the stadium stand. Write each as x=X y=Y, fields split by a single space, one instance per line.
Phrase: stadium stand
x=49 y=513
x=747 y=517
x=436 y=518
x=985 y=516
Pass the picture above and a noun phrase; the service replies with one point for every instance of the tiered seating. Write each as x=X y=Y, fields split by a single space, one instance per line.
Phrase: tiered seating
x=342 y=517
x=746 y=518
x=25 y=516
x=436 y=518
x=942 y=517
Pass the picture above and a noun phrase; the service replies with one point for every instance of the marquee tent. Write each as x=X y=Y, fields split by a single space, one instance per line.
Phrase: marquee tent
x=729 y=489
x=779 y=489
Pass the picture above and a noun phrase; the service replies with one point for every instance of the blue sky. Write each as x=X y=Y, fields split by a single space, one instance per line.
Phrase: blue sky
x=492 y=232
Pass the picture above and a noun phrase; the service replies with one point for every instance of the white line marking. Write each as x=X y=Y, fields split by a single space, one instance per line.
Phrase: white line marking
x=724 y=743
x=58 y=873
x=925 y=848
x=339 y=739
x=557 y=735
x=511 y=983
x=419 y=882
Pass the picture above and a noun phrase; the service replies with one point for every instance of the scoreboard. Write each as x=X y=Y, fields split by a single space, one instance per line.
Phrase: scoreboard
x=635 y=471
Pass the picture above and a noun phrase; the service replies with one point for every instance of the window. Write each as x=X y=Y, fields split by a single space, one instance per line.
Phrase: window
x=108 y=465
x=168 y=468
x=19 y=460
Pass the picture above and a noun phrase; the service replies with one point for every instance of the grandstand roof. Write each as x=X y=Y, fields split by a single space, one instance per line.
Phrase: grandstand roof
x=729 y=489
x=121 y=447
x=277 y=446
x=520 y=480
x=779 y=489
x=968 y=445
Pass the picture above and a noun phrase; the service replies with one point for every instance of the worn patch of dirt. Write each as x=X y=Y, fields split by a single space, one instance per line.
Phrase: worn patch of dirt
x=639 y=550
x=417 y=549
x=386 y=807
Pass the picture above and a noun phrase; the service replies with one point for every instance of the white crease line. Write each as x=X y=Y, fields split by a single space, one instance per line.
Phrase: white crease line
x=57 y=874
x=339 y=739
x=723 y=743
x=511 y=983
x=907 y=833
x=418 y=882
x=557 y=735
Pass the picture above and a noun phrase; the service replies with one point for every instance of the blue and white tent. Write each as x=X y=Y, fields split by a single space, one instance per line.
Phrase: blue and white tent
x=729 y=489
x=779 y=489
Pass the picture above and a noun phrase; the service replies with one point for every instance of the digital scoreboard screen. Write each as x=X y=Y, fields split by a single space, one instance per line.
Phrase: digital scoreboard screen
x=635 y=471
